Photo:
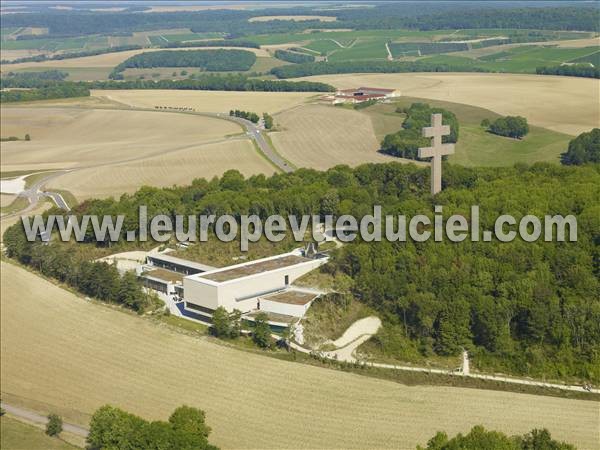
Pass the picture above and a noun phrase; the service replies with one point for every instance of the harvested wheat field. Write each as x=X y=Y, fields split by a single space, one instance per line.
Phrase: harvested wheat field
x=320 y=137
x=76 y=137
x=565 y=104
x=208 y=101
x=73 y=356
x=178 y=167
x=106 y=59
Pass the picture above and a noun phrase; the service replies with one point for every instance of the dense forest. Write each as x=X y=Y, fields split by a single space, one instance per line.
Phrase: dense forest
x=584 y=149
x=323 y=68
x=528 y=308
x=293 y=57
x=214 y=60
x=413 y=15
x=575 y=70
x=406 y=142
x=480 y=438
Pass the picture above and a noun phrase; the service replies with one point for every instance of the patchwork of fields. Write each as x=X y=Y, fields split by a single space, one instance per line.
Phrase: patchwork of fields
x=64 y=354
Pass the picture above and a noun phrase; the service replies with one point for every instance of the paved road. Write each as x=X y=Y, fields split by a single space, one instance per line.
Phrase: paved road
x=254 y=132
x=38 y=418
x=34 y=193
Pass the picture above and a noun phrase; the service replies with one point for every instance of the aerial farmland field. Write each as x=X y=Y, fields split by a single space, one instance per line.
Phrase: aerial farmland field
x=214 y=315
x=108 y=356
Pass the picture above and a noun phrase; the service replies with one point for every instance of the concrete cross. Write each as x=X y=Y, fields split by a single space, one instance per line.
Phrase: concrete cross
x=437 y=150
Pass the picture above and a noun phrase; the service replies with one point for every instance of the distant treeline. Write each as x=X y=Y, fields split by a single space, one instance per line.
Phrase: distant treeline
x=29 y=86
x=60 y=56
x=31 y=79
x=413 y=15
x=575 y=70
x=214 y=43
x=293 y=57
x=64 y=89
x=216 y=60
x=217 y=83
x=406 y=142
x=322 y=68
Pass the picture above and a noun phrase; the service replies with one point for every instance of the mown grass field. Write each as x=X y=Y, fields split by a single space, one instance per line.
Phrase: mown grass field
x=64 y=354
x=15 y=435
x=564 y=104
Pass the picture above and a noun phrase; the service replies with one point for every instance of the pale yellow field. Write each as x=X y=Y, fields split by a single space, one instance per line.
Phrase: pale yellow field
x=6 y=199
x=566 y=104
x=71 y=137
x=208 y=101
x=320 y=137
x=178 y=167
x=116 y=151
x=293 y=18
x=70 y=356
x=106 y=59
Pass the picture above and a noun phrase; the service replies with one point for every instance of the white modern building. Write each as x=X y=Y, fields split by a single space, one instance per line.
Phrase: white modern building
x=254 y=286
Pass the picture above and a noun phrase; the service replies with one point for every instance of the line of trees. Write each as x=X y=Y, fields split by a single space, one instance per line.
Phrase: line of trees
x=248 y=115
x=406 y=142
x=212 y=43
x=70 y=55
x=323 y=68
x=573 y=70
x=113 y=428
x=584 y=149
x=213 y=82
x=293 y=57
x=64 y=89
x=50 y=84
x=213 y=60
x=510 y=126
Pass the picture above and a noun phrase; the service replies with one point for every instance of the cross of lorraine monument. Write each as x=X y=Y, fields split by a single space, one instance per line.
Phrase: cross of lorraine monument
x=437 y=150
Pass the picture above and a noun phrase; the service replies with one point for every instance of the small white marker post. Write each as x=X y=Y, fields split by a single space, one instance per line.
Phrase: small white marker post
x=437 y=150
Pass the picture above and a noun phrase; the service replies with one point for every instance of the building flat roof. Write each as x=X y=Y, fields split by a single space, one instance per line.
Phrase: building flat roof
x=165 y=275
x=291 y=297
x=253 y=267
x=182 y=262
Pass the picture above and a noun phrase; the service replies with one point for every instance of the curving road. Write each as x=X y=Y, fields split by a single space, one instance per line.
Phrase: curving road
x=255 y=134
